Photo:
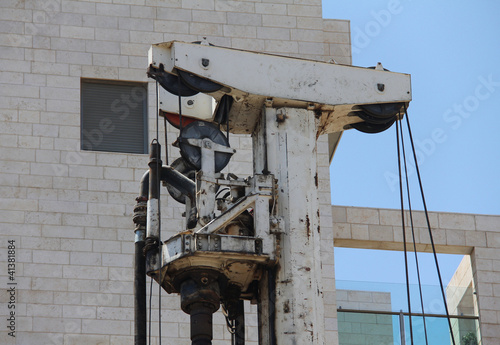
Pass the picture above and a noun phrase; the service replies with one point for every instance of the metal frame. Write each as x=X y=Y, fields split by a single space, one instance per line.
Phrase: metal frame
x=285 y=104
x=334 y=91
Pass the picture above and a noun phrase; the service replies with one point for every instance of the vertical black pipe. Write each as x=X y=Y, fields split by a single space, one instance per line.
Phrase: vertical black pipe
x=139 y=289
x=154 y=172
x=201 y=325
x=140 y=319
x=153 y=212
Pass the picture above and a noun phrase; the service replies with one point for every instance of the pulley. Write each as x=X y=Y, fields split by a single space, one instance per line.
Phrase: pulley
x=170 y=82
x=382 y=110
x=377 y=117
x=197 y=83
x=374 y=119
x=367 y=127
x=202 y=130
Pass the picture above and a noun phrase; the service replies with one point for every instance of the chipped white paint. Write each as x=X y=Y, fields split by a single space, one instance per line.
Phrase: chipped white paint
x=153 y=216
x=291 y=157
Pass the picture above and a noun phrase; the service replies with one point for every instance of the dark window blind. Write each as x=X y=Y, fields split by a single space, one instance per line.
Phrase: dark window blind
x=113 y=116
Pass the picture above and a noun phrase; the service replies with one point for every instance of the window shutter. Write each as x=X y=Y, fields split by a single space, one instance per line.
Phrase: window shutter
x=114 y=116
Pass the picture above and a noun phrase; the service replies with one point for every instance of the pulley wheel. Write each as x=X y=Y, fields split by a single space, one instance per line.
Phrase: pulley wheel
x=373 y=119
x=197 y=83
x=170 y=82
x=202 y=130
x=184 y=168
x=371 y=128
x=382 y=110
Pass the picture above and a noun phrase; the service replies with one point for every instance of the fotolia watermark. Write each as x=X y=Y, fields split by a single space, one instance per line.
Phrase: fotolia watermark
x=454 y=116
x=362 y=37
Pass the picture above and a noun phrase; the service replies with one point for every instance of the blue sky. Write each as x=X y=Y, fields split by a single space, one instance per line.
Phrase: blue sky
x=452 y=51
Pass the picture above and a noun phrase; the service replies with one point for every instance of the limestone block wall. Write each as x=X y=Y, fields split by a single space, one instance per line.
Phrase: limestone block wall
x=364 y=300
x=460 y=298
x=69 y=211
x=475 y=235
x=364 y=328
x=460 y=290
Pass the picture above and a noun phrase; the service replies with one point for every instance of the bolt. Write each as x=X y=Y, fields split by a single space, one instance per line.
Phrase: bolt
x=204 y=280
x=190 y=102
x=205 y=62
x=281 y=117
x=381 y=87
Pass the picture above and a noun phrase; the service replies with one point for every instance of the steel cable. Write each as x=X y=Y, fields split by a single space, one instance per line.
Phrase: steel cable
x=404 y=232
x=150 y=305
x=413 y=232
x=158 y=174
x=429 y=228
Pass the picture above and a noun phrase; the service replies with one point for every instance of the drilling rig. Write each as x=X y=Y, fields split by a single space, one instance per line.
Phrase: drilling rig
x=254 y=238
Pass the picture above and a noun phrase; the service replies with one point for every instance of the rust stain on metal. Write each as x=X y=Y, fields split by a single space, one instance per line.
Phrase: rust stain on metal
x=286 y=307
x=318 y=228
x=316 y=180
x=308 y=225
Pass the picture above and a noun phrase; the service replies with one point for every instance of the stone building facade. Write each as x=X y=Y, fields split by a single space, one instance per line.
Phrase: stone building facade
x=68 y=211
x=475 y=236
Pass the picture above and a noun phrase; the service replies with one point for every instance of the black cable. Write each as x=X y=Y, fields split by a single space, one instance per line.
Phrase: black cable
x=150 y=304
x=159 y=248
x=429 y=228
x=227 y=125
x=158 y=174
x=159 y=307
x=413 y=232
x=166 y=139
x=227 y=121
x=404 y=232
x=157 y=113
x=180 y=104
x=164 y=122
x=158 y=169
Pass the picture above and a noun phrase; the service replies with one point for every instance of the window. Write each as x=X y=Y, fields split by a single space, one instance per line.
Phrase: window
x=113 y=116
